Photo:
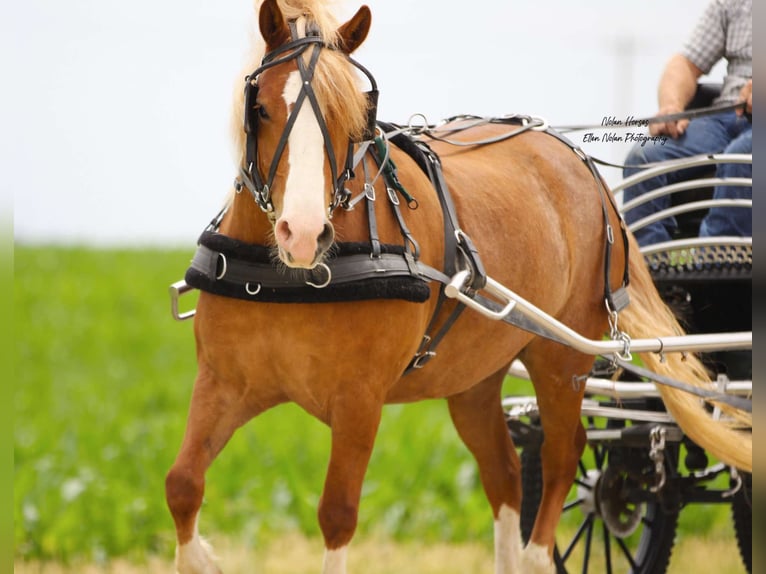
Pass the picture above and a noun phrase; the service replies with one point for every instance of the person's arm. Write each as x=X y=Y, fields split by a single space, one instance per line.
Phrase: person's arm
x=746 y=95
x=678 y=85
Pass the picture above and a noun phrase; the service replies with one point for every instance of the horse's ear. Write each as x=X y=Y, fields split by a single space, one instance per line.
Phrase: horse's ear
x=354 y=32
x=273 y=27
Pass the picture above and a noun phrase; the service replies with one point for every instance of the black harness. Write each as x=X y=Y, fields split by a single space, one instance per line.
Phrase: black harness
x=359 y=270
x=251 y=176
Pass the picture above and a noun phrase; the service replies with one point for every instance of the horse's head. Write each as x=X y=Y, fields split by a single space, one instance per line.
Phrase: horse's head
x=303 y=110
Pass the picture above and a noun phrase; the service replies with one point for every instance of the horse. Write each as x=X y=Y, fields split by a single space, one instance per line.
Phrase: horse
x=536 y=217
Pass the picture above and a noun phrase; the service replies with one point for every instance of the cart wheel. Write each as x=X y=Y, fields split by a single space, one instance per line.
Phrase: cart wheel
x=742 y=513
x=608 y=528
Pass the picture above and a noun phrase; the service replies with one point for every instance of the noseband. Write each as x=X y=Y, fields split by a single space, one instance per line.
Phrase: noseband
x=251 y=176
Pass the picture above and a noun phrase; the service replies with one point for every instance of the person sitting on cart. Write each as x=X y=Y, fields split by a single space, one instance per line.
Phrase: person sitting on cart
x=724 y=31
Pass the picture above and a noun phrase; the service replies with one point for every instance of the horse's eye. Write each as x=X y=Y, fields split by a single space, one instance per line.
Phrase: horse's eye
x=262 y=113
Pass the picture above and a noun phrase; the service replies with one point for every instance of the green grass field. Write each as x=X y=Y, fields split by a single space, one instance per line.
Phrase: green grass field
x=103 y=380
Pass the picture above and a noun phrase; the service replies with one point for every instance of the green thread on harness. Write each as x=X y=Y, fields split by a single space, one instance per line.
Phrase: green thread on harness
x=390 y=172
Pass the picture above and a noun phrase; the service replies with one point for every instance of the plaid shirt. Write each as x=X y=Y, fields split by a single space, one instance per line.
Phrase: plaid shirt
x=724 y=31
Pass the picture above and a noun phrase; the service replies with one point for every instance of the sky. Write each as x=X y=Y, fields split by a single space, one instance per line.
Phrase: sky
x=116 y=126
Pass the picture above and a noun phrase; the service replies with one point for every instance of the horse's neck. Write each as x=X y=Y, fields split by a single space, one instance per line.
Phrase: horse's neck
x=246 y=222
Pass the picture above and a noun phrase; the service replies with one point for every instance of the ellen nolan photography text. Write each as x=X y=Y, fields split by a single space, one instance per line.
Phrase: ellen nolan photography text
x=629 y=136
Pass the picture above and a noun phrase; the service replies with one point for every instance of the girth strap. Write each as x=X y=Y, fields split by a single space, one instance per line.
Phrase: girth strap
x=458 y=249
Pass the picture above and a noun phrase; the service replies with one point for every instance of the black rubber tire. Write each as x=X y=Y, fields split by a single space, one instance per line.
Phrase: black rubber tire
x=742 y=514
x=649 y=548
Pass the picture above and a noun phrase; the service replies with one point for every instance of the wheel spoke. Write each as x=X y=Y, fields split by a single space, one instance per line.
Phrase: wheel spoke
x=574 y=504
x=626 y=552
x=607 y=548
x=582 y=528
x=599 y=454
x=588 y=544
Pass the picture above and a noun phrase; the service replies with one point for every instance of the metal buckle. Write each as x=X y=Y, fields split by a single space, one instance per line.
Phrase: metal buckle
x=176 y=290
x=421 y=360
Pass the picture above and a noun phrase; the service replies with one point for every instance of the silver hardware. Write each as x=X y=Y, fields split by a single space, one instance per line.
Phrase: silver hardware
x=657 y=454
x=620 y=336
x=369 y=192
x=416 y=129
x=223 y=268
x=392 y=196
x=326 y=282
x=542 y=126
x=721 y=386
x=455 y=287
x=421 y=360
x=252 y=291
x=176 y=290
x=266 y=196
x=737 y=478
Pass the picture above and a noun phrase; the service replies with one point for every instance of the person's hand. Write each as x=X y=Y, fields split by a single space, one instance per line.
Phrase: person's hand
x=746 y=96
x=673 y=129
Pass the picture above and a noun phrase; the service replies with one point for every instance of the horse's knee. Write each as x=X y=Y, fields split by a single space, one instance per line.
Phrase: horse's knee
x=183 y=493
x=338 y=523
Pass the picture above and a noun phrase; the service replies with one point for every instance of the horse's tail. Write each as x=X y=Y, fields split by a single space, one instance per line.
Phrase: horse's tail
x=647 y=316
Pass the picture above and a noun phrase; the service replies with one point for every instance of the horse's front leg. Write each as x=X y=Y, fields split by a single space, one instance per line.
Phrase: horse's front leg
x=354 y=421
x=216 y=411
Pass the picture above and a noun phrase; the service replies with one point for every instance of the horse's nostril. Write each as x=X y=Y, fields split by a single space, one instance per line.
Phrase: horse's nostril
x=282 y=231
x=325 y=239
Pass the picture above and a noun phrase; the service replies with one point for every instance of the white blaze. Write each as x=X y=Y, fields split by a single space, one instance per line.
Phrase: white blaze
x=303 y=205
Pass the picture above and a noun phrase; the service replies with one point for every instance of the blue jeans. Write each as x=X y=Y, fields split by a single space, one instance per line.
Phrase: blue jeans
x=727 y=133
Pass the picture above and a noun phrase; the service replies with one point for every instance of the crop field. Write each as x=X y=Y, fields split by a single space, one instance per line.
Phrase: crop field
x=103 y=379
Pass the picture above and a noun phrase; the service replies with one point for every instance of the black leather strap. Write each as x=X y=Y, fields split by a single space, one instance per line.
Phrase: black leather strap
x=740 y=403
x=616 y=299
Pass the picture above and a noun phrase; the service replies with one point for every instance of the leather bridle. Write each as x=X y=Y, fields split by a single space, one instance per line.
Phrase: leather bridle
x=250 y=175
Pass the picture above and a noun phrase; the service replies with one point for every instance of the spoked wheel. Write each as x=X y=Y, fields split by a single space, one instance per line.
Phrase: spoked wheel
x=742 y=513
x=612 y=522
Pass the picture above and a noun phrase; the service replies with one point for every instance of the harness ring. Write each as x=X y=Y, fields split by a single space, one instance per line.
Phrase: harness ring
x=326 y=282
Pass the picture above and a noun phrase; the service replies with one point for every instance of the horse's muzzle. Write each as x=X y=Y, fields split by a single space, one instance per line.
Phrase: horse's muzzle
x=301 y=246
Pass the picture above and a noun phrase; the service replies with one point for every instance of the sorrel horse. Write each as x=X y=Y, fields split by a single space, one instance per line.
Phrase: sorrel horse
x=535 y=214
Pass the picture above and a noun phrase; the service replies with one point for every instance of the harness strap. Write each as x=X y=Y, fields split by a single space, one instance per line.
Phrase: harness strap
x=456 y=242
x=685 y=115
x=740 y=403
x=217 y=265
x=454 y=237
x=616 y=299
x=372 y=222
